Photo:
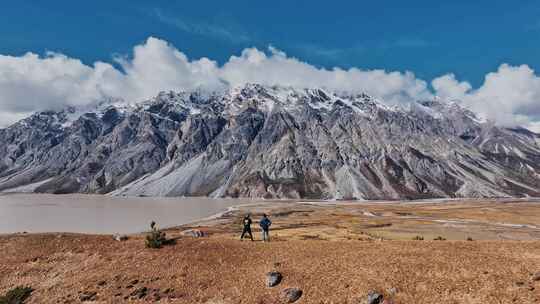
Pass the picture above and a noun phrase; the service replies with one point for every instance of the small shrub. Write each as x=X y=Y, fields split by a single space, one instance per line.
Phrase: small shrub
x=469 y=239
x=418 y=238
x=439 y=238
x=16 y=295
x=155 y=238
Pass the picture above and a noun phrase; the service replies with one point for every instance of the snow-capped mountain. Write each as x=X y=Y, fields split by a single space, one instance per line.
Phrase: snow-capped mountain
x=272 y=142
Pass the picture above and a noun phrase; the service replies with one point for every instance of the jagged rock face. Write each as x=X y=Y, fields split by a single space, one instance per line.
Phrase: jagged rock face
x=270 y=142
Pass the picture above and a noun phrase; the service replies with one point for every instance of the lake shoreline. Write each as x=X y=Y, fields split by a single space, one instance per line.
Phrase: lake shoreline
x=105 y=209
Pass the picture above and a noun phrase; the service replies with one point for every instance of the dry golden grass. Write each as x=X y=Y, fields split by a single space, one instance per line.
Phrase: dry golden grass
x=456 y=220
x=335 y=254
x=217 y=270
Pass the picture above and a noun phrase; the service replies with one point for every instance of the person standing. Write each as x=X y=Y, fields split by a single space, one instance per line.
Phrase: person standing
x=265 y=224
x=247 y=227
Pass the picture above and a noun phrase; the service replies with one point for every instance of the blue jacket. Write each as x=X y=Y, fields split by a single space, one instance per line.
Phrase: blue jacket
x=265 y=223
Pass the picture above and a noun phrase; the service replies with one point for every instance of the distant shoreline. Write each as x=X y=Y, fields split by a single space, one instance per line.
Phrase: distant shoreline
x=95 y=214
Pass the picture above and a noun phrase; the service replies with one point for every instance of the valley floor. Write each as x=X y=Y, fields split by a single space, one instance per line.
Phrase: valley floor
x=335 y=253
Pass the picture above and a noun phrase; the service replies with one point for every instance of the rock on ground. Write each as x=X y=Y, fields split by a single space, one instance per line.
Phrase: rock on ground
x=374 y=297
x=291 y=295
x=193 y=233
x=273 y=278
x=120 y=237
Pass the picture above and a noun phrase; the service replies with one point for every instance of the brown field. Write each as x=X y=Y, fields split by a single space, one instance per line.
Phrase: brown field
x=334 y=253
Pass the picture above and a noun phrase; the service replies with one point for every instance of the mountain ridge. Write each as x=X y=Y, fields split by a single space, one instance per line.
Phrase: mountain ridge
x=270 y=142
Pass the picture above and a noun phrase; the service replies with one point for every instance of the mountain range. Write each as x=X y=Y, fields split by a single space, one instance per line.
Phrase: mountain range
x=269 y=142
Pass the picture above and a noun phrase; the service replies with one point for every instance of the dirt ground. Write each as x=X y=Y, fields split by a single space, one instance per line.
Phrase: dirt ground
x=334 y=253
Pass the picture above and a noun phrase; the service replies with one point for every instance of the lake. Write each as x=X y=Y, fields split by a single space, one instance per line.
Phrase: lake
x=102 y=214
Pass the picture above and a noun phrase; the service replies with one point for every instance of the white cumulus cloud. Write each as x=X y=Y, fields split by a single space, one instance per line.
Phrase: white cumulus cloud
x=276 y=68
x=31 y=82
x=510 y=96
x=447 y=87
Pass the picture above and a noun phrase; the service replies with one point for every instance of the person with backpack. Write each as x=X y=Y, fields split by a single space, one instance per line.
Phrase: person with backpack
x=265 y=224
x=247 y=227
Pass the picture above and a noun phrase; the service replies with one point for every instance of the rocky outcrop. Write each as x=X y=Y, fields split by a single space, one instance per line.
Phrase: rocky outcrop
x=271 y=142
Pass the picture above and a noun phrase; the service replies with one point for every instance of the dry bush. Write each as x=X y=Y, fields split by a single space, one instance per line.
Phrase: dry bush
x=16 y=295
x=155 y=238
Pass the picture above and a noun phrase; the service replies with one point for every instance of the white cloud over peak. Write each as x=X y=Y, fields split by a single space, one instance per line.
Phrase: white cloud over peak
x=31 y=82
x=510 y=96
x=447 y=87
x=276 y=68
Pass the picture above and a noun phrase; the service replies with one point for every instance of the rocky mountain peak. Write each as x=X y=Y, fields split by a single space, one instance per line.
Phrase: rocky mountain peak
x=269 y=141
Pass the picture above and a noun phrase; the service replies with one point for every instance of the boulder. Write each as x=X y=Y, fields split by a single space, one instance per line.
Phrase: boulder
x=273 y=278
x=374 y=297
x=120 y=237
x=291 y=295
x=536 y=276
x=195 y=233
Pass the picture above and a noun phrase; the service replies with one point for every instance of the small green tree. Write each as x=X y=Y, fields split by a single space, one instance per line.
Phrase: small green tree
x=418 y=238
x=155 y=238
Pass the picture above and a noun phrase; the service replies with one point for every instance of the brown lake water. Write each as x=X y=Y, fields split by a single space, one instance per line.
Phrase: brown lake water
x=98 y=214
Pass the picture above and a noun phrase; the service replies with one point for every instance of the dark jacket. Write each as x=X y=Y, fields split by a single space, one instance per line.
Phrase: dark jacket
x=265 y=223
x=247 y=222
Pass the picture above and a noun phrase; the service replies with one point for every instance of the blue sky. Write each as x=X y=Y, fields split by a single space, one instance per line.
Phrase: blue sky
x=429 y=38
